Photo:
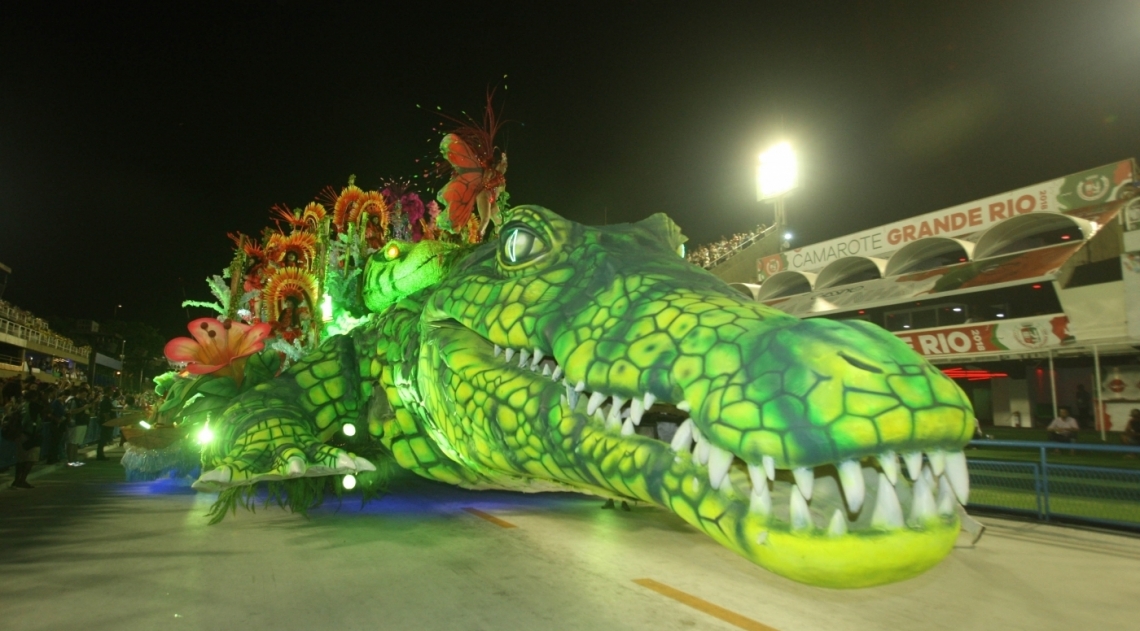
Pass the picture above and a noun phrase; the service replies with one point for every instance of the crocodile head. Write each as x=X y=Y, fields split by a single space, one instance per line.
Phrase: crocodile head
x=542 y=353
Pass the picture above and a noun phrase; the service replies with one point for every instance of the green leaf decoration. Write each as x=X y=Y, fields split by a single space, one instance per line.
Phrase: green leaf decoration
x=220 y=387
x=261 y=368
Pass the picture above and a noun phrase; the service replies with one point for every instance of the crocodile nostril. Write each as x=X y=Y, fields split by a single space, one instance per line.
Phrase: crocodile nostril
x=861 y=365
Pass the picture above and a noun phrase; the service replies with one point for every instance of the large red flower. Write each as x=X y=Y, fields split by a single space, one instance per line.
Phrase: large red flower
x=218 y=347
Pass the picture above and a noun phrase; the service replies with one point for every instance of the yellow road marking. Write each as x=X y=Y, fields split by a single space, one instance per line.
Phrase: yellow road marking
x=703 y=605
x=502 y=523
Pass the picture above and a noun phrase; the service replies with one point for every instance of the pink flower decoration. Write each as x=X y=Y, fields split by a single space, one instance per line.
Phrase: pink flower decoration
x=217 y=346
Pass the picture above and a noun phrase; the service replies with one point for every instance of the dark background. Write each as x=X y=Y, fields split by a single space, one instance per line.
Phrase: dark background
x=134 y=137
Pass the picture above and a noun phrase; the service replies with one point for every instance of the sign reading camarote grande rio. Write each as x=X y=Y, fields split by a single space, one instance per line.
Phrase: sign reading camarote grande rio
x=1095 y=186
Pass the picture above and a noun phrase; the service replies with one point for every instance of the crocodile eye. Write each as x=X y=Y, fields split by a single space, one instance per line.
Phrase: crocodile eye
x=392 y=252
x=518 y=244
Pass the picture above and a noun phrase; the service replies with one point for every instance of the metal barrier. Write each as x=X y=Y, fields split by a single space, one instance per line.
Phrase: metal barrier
x=45 y=338
x=1026 y=482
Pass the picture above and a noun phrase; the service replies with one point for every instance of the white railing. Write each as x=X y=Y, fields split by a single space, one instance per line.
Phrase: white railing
x=43 y=338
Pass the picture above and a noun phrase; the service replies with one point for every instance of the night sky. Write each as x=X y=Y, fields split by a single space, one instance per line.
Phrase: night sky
x=133 y=138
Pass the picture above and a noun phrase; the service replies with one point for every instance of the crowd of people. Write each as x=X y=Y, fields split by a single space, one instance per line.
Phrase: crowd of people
x=707 y=256
x=48 y=422
x=37 y=326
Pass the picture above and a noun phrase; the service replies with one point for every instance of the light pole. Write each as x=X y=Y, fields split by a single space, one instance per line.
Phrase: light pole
x=776 y=177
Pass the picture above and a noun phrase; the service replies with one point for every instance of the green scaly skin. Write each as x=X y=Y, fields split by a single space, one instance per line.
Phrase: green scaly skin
x=620 y=319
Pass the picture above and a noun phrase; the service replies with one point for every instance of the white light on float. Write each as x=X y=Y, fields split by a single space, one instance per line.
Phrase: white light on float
x=349 y=482
x=206 y=435
x=349 y=429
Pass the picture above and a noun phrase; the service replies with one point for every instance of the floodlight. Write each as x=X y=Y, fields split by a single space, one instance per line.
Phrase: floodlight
x=777 y=173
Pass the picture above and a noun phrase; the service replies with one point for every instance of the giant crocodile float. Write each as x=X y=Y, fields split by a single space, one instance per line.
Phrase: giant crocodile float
x=528 y=363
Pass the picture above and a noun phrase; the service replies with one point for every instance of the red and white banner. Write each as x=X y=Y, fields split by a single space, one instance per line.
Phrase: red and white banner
x=1020 y=335
x=1087 y=188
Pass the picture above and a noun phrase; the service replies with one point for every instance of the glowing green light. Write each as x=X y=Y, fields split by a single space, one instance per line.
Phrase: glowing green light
x=349 y=482
x=206 y=435
x=327 y=308
x=144 y=425
x=349 y=429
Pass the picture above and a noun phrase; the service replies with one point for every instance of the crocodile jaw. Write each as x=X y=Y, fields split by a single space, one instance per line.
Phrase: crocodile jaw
x=520 y=425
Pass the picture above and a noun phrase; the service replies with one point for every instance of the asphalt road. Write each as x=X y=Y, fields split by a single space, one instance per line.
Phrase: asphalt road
x=85 y=550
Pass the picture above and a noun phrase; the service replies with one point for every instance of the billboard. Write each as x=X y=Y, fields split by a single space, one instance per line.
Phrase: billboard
x=1087 y=188
x=1008 y=336
x=1010 y=269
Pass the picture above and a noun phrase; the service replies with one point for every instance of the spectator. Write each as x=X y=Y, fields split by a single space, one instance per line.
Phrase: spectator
x=96 y=394
x=78 y=410
x=106 y=413
x=55 y=426
x=1131 y=434
x=1064 y=428
x=29 y=441
x=12 y=390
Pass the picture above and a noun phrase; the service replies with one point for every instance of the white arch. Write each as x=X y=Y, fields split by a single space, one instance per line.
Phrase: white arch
x=750 y=290
x=1000 y=238
x=841 y=271
x=914 y=255
x=786 y=283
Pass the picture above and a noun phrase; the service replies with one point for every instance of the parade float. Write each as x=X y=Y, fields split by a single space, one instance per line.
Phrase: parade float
x=492 y=346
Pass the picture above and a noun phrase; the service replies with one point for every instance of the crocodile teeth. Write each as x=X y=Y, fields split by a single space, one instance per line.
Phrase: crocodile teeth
x=524 y=357
x=612 y=421
x=937 y=459
x=498 y=349
x=851 y=477
x=626 y=428
x=615 y=409
x=801 y=516
x=571 y=396
x=683 y=439
x=769 y=467
x=719 y=462
x=363 y=465
x=546 y=370
x=702 y=451
x=510 y=352
x=922 y=506
x=889 y=463
x=929 y=477
x=958 y=475
x=946 y=502
x=580 y=387
x=345 y=461
x=636 y=410
x=838 y=525
x=757 y=477
x=684 y=406
x=760 y=503
x=888 y=513
x=557 y=373
x=805 y=480
x=647 y=400
x=595 y=401
x=913 y=462
x=536 y=359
